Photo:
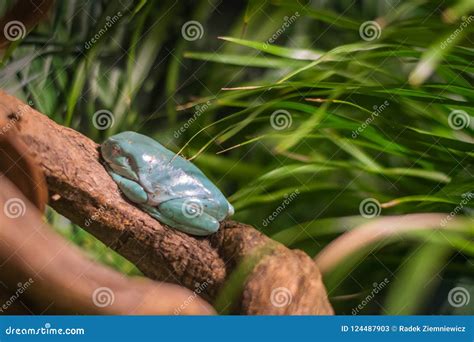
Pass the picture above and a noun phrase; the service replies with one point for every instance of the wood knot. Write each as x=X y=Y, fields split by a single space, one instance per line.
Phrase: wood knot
x=14 y=116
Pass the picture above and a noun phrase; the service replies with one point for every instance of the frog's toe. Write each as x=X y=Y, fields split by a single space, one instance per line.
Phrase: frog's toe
x=199 y=231
x=200 y=227
x=131 y=189
x=187 y=216
x=231 y=210
x=212 y=225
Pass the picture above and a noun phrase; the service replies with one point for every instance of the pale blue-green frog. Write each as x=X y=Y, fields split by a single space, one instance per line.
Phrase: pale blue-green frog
x=165 y=185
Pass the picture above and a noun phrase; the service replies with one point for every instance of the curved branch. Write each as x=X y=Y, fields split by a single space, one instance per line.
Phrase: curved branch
x=28 y=12
x=48 y=275
x=81 y=189
x=22 y=170
x=379 y=229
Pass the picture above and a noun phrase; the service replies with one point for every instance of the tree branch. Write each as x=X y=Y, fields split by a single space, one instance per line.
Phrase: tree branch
x=378 y=229
x=81 y=190
x=28 y=12
x=42 y=273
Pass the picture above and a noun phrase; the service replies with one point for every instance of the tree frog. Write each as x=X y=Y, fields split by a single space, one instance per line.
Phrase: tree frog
x=165 y=185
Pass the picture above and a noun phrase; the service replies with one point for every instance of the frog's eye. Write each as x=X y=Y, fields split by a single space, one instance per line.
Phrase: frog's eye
x=116 y=150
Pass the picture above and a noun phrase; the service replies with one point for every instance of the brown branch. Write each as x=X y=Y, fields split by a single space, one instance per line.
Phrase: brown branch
x=28 y=12
x=7 y=303
x=379 y=229
x=22 y=170
x=48 y=275
x=81 y=189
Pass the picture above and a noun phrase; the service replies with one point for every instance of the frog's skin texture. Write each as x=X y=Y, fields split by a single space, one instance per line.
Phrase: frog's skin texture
x=168 y=187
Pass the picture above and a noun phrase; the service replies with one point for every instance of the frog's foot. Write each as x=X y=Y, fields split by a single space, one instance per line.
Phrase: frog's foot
x=219 y=209
x=131 y=189
x=185 y=215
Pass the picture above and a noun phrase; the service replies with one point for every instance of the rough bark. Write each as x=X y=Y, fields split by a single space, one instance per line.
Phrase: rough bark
x=80 y=189
x=22 y=170
x=41 y=273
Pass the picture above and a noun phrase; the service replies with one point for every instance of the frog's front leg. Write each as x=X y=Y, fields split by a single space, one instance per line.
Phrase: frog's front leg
x=132 y=190
x=189 y=216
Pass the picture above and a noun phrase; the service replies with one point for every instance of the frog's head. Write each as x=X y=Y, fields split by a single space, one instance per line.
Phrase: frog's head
x=119 y=153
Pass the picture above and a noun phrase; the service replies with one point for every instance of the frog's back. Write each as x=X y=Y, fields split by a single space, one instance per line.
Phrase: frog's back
x=170 y=176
